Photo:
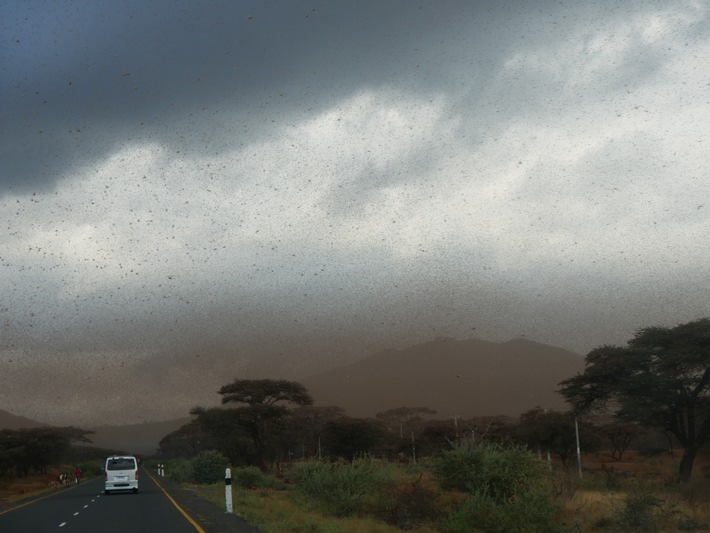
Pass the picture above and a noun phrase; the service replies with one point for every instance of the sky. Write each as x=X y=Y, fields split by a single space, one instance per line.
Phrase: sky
x=193 y=192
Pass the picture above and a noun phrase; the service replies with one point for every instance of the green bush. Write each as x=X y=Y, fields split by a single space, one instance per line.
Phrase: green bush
x=508 y=489
x=532 y=512
x=343 y=489
x=179 y=470
x=498 y=471
x=251 y=477
x=208 y=467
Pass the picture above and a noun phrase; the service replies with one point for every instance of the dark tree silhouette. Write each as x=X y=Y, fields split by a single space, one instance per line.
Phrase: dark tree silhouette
x=554 y=431
x=186 y=441
x=263 y=404
x=619 y=435
x=23 y=450
x=348 y=437
x=660 y=379
x=303 y=430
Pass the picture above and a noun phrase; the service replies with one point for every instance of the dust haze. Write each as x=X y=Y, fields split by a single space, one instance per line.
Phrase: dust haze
x=191 y=194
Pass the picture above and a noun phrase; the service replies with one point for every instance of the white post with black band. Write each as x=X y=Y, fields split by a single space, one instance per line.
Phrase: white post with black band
x=228 y=489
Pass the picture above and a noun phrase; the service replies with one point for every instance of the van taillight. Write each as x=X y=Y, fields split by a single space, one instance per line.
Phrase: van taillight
x=136 y=475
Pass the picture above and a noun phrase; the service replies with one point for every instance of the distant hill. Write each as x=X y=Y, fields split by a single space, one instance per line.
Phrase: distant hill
x=10 y=421
x=139 y=439
x=454 y=377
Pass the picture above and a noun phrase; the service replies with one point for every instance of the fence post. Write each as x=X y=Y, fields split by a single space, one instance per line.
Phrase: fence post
x=228 y=490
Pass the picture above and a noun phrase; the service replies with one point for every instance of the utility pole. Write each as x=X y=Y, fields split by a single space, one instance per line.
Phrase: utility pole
x=579 y=454
x=456 y=424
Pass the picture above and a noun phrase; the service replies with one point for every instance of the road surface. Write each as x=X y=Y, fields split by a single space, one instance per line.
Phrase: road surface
x=85 y=509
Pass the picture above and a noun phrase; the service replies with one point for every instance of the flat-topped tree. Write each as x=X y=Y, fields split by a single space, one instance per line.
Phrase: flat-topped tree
x=265 y=392
x=263 y=403
x=660 y=379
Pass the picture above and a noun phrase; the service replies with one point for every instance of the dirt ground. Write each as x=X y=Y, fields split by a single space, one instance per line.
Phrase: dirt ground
x=18 y=488
x=662 y=466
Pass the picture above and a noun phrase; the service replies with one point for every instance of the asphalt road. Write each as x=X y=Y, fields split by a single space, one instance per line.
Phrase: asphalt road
x=85 y=509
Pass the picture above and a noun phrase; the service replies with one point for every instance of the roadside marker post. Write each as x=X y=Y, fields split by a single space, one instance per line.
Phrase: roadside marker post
x=228 y=489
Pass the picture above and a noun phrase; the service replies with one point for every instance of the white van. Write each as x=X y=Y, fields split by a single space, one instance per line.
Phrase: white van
x=121 y=473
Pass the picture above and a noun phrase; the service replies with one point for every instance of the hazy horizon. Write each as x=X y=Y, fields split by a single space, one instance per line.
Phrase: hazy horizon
x=195 y=192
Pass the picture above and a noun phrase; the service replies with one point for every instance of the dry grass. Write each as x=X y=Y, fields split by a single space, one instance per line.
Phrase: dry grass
x=276 y=511
x=639 y=494
x=15 y=489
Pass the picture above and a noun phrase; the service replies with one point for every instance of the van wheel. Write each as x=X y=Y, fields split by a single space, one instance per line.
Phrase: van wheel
x=135 y=491
x=107 y=492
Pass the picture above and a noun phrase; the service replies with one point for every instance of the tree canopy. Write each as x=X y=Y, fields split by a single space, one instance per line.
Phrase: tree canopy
x=23 y=450
x=554 y=431
x=262 y=405
x=263 y=392
x=661 y=378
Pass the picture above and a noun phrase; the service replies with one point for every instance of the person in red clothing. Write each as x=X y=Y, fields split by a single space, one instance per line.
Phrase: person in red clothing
x=77 y=474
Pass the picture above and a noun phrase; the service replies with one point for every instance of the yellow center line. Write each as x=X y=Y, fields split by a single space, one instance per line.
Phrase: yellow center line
x=189 y=519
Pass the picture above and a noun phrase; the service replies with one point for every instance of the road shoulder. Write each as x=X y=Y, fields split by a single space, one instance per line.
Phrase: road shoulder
x=210 y=517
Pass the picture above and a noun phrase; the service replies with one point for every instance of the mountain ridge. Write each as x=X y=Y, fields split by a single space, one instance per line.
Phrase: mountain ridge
x=12 y=421
x=470 y=377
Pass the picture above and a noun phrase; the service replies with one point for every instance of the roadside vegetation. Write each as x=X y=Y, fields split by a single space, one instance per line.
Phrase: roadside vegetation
x=484 y=487
x=405 y=470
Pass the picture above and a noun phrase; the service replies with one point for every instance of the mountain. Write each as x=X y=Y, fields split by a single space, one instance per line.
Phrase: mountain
x=454 y=377
x=10 y=421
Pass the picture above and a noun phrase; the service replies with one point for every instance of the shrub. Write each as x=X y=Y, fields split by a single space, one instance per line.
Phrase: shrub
x=342 y=489
x=499 y=471
x=479 y=513
x=208 y=467
x=638 y=512
x=251 y=477
x=179 y=470
x=408 y=503
x=508 y=489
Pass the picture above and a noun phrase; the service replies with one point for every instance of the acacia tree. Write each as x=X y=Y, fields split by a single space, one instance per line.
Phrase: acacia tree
x=36 y=448
x=263 y=403
x=660 y=379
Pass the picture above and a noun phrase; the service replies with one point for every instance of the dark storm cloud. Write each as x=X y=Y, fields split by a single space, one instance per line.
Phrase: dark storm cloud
x=81 y=80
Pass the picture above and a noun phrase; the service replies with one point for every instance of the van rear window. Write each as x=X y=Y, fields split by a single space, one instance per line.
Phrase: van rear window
x=121 y=464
